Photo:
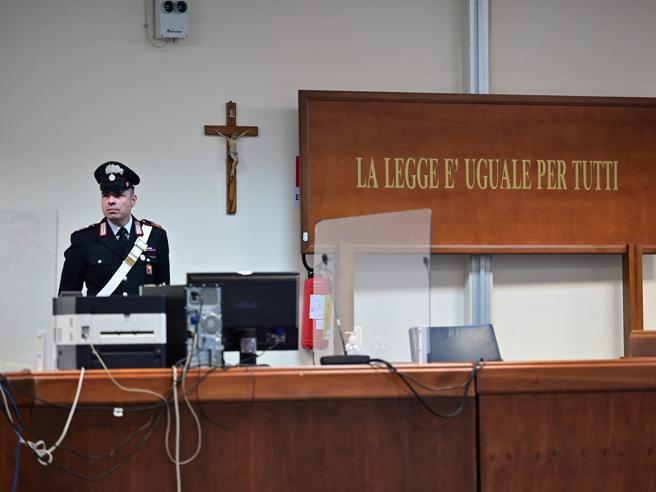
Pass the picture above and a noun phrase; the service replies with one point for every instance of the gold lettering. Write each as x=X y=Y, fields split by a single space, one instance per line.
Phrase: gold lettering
x=398 y=174
x=505 y=178
x=494 y=173
x=448 y=172
x=434 y=180
x=422 y=177
x=551 y=174
x=388 y=183
x=373 y=179
x=516 y=184
x=482 y=183
x=526 y=177
x=615 y=165
x=542 y=169
x=576 y=165
x=360 y=183
x=562 y=184
x=469 y=184
x=586 y=185
x=608 y=165
x=410 y=183
x=597 y=165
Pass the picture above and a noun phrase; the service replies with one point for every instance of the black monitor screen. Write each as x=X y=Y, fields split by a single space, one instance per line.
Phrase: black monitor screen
x=264 y=302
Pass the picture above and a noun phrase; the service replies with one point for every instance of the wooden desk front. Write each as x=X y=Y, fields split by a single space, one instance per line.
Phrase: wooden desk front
x=303 y=429
x=568 y=426
x=527 y=426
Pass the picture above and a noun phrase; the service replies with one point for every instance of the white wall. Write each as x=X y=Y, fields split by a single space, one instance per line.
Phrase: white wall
x=80 y=85
x=558 y=307
x=573 y=47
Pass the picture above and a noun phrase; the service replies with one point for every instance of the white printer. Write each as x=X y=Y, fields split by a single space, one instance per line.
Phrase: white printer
x=126 y=331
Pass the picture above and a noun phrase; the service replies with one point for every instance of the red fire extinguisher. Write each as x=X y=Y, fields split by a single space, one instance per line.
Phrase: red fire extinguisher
x=313 y=331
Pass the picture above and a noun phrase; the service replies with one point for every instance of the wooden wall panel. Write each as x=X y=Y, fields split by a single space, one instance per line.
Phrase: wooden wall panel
x=548 y=197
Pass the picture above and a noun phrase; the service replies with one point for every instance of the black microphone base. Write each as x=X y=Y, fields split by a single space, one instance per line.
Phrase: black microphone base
x=328 y=360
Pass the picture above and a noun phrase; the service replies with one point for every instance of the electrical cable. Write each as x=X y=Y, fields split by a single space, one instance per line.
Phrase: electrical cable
x=406 y=380
x=199 y=434
x=228 y=367
x=136 y=390
x=14 y=482
x=25 y=428
x=112 y=452
x=176 y=460
x=150 y=426
x=146 y=27
x=176 y=407
x=118 y=465
x=199 y=431
x=123 y=388
x=435 y=389
x=31 y=396
x=39 y=447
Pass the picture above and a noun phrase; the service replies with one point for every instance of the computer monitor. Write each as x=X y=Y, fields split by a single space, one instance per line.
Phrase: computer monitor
x=260 y=306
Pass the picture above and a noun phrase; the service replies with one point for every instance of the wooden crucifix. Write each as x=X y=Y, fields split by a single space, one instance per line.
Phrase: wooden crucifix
x=231 y=132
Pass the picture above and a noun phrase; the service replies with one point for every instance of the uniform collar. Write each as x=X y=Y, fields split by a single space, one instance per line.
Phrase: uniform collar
x=115 y=228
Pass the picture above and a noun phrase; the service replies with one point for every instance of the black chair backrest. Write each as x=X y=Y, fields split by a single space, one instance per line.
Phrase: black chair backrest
x=468 y=343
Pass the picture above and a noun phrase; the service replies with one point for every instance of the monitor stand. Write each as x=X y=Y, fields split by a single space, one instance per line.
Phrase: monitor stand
x=247 y=347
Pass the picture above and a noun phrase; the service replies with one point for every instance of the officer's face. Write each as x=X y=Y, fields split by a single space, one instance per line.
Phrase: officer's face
x=117 y=207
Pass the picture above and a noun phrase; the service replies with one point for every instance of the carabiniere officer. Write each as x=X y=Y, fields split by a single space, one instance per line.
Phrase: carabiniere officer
x=97 y=251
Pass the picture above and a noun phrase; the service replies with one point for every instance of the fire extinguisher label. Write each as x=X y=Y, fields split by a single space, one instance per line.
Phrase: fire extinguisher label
x=317 y=306
x=320 y=310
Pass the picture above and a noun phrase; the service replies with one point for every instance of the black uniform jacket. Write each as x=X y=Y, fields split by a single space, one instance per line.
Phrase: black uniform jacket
x=95 y=254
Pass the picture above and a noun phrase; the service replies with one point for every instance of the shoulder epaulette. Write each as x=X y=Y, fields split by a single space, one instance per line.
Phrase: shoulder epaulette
x=87 y=227
x=151 y=223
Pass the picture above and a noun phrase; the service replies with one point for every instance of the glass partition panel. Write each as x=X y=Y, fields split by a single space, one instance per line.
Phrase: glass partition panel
x=371 y=284
x=28 y=282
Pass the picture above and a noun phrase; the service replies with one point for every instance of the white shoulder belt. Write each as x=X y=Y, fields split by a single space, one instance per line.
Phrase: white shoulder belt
x=126 y=265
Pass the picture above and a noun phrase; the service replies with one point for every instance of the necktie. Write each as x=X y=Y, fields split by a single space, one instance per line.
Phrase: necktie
x=122 y=237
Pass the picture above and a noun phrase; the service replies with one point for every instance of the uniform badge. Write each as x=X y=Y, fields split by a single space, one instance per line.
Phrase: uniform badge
x=112 y=169
x=149 y=269
x=103 y=229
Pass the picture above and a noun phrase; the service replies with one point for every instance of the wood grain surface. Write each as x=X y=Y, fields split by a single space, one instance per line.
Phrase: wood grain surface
x=552 y=200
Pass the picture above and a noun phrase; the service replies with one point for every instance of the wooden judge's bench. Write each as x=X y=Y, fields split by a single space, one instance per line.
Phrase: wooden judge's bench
x=523 y=426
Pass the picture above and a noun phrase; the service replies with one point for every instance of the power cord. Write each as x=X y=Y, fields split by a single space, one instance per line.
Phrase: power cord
x=14 y=482
x=176 y=407
x=407 y=380
x=147 y=26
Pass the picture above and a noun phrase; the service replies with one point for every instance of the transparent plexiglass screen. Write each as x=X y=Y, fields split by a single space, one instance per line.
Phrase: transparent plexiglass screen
x=28 y=282
x=371 y=284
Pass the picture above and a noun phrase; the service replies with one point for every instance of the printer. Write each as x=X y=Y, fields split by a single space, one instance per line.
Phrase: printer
x=127 y=332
